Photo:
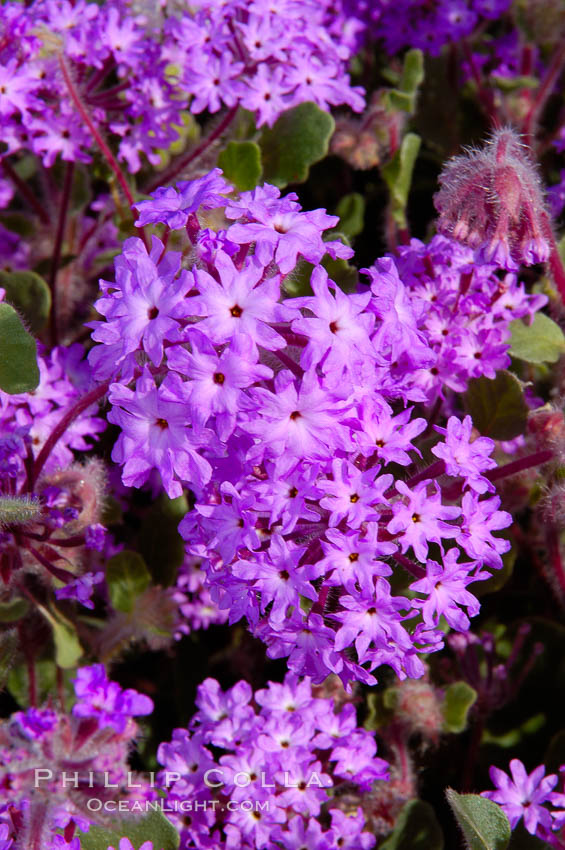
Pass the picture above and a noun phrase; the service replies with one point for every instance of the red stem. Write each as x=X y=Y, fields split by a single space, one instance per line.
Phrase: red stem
x=58 y=247
x=81 y=405
x=535 y=459
x=486 y=95
x=178 y=166
x=105 y=150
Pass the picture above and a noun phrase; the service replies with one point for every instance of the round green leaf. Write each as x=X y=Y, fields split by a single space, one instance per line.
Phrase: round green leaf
x=127 y=578
x=541 y=342
x=483 y=823
x=299 y=138
x=497 y=406
x=241 y=164
x=30 y=295
x=458 y=699
x=153 y=827
x=19 y=372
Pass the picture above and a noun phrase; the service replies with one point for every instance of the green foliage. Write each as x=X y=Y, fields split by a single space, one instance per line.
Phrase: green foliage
x=404 y=96
x=298 y=139
x=13 y=610
x=68 y=650
x=398 y=176
x=18 y=510
x=154 y=827
x=458 y=700
x=483 y=823
x=541 y=342
x=241 y=164
x=497 y=406
x=19 y=372
x=45 y=682
x=351 y=211
x=159 y=540
x=416 y=828
x=127 y=578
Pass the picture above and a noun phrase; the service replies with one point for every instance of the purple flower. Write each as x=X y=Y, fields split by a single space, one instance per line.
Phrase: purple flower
x=155 y=434
x=142 y=308
x=105 y=700
x=522 y=795
x=81 y=589
x=241 y=303
x=446 y=594
x=173 y=205
x=422 y=519
x=479 y=520
x=463 y=457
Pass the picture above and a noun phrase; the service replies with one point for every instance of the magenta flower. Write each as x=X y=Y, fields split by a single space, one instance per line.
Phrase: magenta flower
x=522 y=795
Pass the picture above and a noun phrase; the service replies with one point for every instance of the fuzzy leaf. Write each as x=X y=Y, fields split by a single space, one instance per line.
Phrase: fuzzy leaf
x=19 y=372
x=298 y=139
x=497 y=406
x=541 y=342
x=351 y=212
x=398 y=176
x=241 y=164
x=416 y=828
x=483 y=823
x=127 y=578
x=154 y=827
x=67 y=645
x=459 y=697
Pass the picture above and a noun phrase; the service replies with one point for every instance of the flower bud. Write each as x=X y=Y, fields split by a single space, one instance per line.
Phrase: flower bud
x=491 y=199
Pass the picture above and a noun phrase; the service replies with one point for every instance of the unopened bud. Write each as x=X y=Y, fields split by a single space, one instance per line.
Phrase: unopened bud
x=491 y=199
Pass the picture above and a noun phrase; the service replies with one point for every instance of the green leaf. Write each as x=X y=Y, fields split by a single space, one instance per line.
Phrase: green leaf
x=67 y=645
x=45 y=682
x=127 y=578
x=416 y=828
x=159 y=540
x=18 y=510
x=241 y=164
x=351 y=212
x=19 y=372
x=483 y=823
x=458 y=699
x=541 y=342
x=398 y=176
x=298 y=139
x=412 y=72
x=13 y=610
x=403 y=96
x=153 y=827
x=497 y=406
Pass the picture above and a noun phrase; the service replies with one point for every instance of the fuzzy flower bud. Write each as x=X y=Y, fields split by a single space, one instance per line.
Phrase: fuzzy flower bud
x=491 y=199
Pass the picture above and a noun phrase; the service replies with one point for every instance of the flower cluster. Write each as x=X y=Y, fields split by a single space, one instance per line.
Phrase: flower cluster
x=264 y=763
x=423 y=24
x=52 y=763
x=69 y=68
x=288 y=418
